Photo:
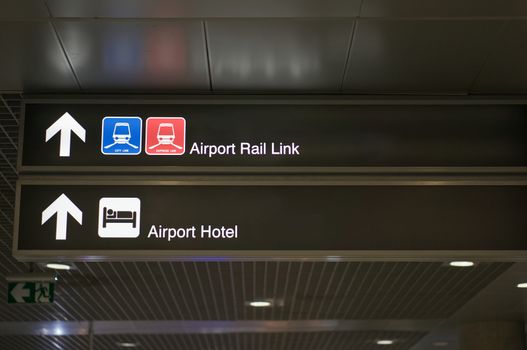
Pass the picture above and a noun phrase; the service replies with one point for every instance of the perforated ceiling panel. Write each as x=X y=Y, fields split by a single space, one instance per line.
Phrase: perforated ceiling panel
x=9 y=115
x=220 y=291
x=270 y=341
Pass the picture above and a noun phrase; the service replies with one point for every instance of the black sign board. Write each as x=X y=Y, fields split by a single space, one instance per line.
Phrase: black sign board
x=135 y=137
x=156 y=220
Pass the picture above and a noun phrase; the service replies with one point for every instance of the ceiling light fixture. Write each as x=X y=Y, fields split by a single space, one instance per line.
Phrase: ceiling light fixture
x=260 y=303
x=385 y=342
x=58 y=266
x=462 y=263
x=522 y=285
x=128 y=345
x=440 y=344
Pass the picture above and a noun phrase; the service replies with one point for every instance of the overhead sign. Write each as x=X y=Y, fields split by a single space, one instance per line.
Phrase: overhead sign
x=30 y=292
x=316 y=138
x=155 y=220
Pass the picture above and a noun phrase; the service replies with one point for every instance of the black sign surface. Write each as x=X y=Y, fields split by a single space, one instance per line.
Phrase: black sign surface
x=168 y=137
x=123 y=219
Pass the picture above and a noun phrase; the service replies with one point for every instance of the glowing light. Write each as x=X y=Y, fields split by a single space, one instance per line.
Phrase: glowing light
x=385 y=342
x=260 y=303
x=58 y=266
x=462 y=263
x=128 y=345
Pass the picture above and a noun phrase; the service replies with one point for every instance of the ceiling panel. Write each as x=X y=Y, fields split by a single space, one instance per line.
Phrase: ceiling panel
x=443 y=8
x=363 y=340
x=137 y=56
x=31 y=58
x=418 y=56
x=221 y=290
x=506 y=69
x=23 y=9
x=296 y=55
x=204 y=8
x=45 y=343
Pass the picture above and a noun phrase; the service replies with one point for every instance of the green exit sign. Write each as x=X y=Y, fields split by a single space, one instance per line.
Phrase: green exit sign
x=30 y=292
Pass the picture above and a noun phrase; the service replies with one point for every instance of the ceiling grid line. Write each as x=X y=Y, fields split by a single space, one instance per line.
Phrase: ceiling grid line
x=329 y=286
x=493 y=47
x=148 y=287
x=208 y=55
x=61 y=44
x=349 y=287
x=254 y=287
x=442 y=283
x=360 y=296
x=285 y=288
x=317 y=287
x=359 y=288
x=8 y=108
x=111 y=296
x=242 y=283
x=421 y=281
x=221 y=279
x=13 y=167
x=460 y=291
x=395 y=281
x=180 y=288
x=275 y=287
x=115 y=291
x=193 y=293
x=138 y=289
x=167 y=287
x=265 y=293
x=370 y=295
x=415 y=285
x=306 y=285
x=167 y=307
x=295 y=291
x=123 y=283
x=71 y=302
x=204 y=300
x=394 y=296
x=348 y=53
x=233 y=289
x=337 y=289
x=210 y=287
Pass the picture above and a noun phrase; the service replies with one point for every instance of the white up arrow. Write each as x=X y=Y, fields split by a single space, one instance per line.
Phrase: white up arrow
x=19 y=293
x=65 y=124
x=62 y=206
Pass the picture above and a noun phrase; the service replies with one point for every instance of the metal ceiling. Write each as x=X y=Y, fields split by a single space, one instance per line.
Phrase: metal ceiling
x=198 y=46
x=358 y=47
x=221 y=290
x=270 y=341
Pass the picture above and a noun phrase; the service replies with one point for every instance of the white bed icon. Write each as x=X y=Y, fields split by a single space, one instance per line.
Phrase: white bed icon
x=119 y=217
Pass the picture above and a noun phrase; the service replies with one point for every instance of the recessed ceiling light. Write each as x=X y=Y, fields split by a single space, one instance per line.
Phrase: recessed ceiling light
x=385 y=342
x=260 y=303
x=522 y=285
x=58 y=266
x=462 y=263
x=128 y=345
x=440 y=344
